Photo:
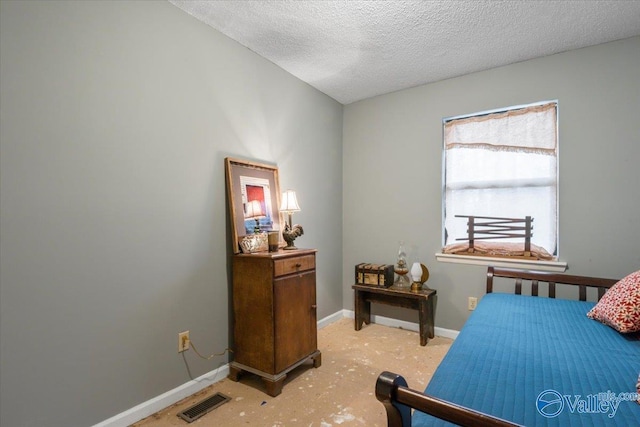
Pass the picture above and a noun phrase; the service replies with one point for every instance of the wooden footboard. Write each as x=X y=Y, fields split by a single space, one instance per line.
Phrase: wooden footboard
x=398 y=400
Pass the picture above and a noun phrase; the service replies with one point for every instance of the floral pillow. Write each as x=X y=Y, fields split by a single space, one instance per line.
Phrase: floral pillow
x=619 y=307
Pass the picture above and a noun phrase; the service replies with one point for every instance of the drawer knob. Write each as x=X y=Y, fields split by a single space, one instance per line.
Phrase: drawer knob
x=314 y=306
x=298 y=265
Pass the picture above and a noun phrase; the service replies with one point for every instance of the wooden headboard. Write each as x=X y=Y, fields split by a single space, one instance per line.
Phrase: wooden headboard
x=535 y=277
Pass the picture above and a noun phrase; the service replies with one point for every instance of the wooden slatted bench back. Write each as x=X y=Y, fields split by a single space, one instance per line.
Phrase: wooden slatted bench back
x=494 y=227
x=551 y=279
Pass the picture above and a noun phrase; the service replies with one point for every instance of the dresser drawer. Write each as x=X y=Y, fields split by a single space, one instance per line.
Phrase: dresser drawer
x=294 y=265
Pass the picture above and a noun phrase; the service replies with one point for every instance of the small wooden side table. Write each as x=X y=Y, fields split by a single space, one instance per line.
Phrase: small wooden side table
x=423 y=301
x=274 y=315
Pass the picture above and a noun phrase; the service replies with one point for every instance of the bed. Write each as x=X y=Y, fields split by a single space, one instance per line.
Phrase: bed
x=527 y=360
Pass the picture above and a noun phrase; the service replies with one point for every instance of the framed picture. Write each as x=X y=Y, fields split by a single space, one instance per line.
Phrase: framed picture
x=253 y=191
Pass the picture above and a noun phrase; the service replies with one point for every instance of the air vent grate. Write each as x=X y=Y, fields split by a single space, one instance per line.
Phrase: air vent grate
x=204 y=407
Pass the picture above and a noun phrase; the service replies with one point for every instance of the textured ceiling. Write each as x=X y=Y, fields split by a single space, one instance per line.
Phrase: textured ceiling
x=352 y=50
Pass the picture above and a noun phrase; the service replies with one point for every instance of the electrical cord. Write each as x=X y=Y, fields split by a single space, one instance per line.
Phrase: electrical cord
x=210 y=356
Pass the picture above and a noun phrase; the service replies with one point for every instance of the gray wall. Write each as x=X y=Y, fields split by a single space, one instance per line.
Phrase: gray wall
x=115 y=118
x=115 y=121
x=392 y=154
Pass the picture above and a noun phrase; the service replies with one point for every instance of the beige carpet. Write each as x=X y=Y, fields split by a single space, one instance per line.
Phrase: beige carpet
x=339 y=393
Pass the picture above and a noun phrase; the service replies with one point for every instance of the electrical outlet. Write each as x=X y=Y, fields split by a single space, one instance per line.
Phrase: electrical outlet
x=183 y=341
x=473 y=302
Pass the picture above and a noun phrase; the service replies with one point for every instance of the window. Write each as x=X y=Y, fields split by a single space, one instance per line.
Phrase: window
x=503 y=163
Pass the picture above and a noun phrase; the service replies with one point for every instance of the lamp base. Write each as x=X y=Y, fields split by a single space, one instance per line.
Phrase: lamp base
x=402 y=281
x=289 y=248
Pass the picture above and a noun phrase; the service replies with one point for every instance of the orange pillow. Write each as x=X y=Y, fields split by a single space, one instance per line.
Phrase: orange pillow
x=619 y=307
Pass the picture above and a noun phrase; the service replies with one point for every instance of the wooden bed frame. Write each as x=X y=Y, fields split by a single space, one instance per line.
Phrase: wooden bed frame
x=398 y=399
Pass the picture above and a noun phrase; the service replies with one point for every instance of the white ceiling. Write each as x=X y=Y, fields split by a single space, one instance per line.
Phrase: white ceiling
x=352 y=50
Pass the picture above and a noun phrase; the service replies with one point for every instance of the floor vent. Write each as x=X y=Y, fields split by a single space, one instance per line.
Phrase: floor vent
x=202 y=408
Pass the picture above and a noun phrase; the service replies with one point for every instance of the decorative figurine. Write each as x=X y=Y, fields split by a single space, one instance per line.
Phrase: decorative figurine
x=290 y=234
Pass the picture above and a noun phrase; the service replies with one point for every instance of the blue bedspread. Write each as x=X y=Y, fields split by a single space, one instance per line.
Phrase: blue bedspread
x=515 y=347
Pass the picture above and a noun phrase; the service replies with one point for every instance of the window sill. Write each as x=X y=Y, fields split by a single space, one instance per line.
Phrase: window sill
x=541 y=265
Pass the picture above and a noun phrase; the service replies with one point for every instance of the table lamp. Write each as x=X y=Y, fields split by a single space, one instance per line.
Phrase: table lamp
x=289 y=205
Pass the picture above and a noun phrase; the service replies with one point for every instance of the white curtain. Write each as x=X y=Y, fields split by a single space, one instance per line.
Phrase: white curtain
x=503 y=164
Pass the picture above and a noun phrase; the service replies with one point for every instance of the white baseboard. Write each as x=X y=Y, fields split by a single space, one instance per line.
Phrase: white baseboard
x=158 y=403
x=395 y=323
x=326 y=321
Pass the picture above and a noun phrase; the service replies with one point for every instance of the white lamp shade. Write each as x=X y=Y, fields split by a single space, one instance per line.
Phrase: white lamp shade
x=416 y=272
x=289 y=202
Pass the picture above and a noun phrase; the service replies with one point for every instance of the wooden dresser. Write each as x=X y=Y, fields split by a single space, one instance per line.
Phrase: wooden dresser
x=275 y=321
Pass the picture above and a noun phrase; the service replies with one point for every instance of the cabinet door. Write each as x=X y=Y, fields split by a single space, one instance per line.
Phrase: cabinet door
x=295 y=318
